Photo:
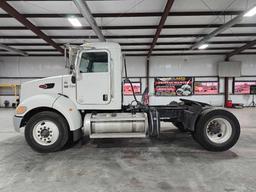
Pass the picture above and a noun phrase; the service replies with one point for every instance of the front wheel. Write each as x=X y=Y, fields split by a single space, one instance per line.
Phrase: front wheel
x=217 y=130
x=47 y=132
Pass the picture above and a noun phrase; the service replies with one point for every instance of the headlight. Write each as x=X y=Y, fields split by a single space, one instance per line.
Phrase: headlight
x=21 y=109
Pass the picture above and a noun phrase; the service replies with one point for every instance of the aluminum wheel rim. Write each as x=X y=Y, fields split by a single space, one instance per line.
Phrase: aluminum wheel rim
x=223 y=133
x=46 y=132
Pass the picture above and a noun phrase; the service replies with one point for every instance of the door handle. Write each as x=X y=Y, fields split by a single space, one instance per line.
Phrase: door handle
x=105 y=97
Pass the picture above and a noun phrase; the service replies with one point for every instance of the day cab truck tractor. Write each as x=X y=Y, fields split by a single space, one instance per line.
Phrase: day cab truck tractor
x=89 y=103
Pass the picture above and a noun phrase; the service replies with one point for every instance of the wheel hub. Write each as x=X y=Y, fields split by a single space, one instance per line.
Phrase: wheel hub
x=214 y=128
x=45 y=133
x=219 y=130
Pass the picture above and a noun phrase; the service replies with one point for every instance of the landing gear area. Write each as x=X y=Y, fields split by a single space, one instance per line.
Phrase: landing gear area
x=214 y=129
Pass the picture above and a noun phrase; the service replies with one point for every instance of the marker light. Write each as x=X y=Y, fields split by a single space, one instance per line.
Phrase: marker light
x=204 y=46
x=21 y=109
x=74 y=21
x=251 y=12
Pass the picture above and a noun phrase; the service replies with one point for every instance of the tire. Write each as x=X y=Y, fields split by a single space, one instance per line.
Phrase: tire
x=47 y=132
x=180 y=126
x=217 y=130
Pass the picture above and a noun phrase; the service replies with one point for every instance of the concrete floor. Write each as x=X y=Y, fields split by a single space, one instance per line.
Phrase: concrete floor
x=173 y=163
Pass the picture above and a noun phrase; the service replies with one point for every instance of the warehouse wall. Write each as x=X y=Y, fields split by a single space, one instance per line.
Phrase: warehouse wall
x=248 y=69
x=16 y=70
x=201 y=67
x=20 y=69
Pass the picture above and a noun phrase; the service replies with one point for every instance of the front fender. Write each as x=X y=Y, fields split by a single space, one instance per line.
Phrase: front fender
x=31 y=103
x=69 y=110
x=37 y=101
x=59 y=103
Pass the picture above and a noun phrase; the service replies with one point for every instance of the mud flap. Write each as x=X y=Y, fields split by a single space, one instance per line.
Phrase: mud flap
x=154 y=123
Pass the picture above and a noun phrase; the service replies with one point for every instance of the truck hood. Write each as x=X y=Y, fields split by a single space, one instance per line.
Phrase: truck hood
x=49 y=85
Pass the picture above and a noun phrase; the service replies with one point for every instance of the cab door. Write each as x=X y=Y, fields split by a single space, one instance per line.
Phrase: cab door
x=93 y=81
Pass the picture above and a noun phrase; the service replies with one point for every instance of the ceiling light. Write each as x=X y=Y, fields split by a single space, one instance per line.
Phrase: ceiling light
x=74 y=21
x=204 y=46
x=251 y=12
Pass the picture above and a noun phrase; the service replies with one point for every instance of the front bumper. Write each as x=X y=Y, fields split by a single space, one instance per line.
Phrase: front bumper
x=17 y=122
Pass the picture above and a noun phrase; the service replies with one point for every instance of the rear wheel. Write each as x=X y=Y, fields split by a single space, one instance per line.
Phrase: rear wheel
x=47 y=132
x=217 y=130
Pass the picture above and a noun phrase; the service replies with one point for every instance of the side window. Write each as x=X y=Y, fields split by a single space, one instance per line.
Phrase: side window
x=94 y=62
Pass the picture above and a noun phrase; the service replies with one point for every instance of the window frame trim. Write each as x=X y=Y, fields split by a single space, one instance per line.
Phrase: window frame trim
x=94 y=50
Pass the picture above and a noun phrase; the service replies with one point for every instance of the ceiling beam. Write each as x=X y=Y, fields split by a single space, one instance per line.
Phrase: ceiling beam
x=166 y=12
x=36 y=50
x=134 y=43
x=12 y=50
x=138 y=49
x=218 y=31
x=86 y=12
x=131 y=14
x=129 y=36
x=32 y=55
x=14 y=13
x=239 y=50
x=61 y=0
x=142 y=55
x=181 y=49
x=189 y=26
x=187 y=54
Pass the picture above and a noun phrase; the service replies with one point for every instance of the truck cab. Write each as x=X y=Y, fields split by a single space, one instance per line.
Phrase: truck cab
x=97 y=70
x=98 y=73
x=88 y=102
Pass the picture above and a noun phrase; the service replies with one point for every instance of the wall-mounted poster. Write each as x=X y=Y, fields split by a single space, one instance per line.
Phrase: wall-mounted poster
x=243 y=87
x=127 y=89
x=173 y=86
x=206 y=88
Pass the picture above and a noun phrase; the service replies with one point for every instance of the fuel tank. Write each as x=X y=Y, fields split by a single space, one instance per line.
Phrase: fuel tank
x=111 y=125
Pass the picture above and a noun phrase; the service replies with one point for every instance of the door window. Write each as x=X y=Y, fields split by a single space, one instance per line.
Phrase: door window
x=94 y=62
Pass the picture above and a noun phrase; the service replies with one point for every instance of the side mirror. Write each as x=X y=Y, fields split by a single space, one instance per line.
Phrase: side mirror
x=73 y=79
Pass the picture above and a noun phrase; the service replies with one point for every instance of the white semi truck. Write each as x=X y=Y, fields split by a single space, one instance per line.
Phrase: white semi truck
x=89 y=102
